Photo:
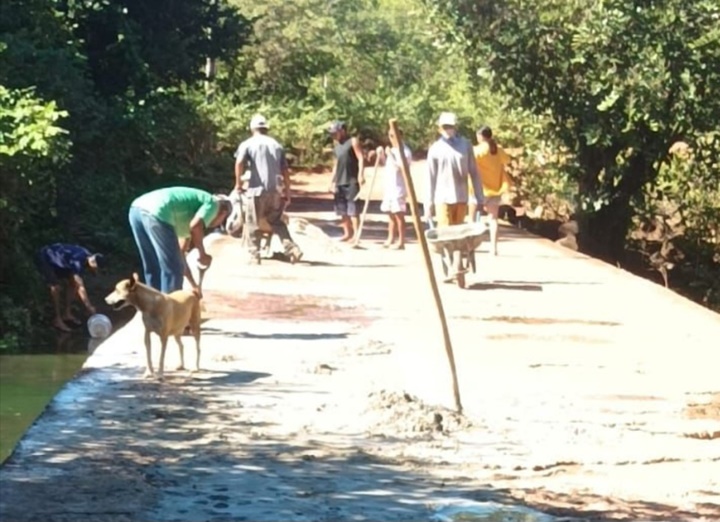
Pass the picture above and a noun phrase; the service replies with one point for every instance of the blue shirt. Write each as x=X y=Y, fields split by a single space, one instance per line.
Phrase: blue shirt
x=66 y=257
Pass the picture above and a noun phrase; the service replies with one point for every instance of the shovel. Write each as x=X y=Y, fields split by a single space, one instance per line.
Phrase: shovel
x=356 y=241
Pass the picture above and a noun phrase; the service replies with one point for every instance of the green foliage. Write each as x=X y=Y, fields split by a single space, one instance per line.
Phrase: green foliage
x=32 y=145
x=364 y=62
x=27 y=126
x=123 y=76
x=678 y=217
x=103 y=100
x=619 y=82
x=613 y=84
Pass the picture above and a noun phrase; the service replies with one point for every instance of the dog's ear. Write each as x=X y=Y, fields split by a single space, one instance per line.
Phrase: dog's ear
x=134 y=279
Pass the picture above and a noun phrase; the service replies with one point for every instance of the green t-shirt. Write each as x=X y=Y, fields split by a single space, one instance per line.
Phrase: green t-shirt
x=177 y=206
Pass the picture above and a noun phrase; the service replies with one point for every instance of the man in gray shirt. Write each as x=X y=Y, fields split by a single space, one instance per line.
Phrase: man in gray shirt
x=265 y=160
x=450 y=161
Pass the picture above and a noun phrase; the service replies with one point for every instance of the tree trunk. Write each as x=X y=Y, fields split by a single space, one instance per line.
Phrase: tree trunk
x=603 y=232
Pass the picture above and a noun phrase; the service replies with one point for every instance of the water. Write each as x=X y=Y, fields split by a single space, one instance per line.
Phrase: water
x=29 y=380
x=469 y=511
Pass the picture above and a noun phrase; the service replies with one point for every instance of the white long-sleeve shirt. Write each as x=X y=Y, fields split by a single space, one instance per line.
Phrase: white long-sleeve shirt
x=450 y=161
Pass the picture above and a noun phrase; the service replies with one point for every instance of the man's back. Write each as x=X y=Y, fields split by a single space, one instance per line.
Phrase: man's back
x=347 y=165
x=449 y=166
x=265 y=159
x=66 y=257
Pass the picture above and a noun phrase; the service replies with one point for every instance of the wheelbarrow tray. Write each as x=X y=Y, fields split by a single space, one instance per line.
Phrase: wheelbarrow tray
x=465 y=238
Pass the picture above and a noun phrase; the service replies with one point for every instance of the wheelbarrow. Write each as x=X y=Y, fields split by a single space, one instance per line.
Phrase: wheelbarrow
x=456 y=245
x=246 y=215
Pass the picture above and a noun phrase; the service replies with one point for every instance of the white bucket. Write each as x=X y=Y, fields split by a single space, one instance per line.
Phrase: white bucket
x=99 y=326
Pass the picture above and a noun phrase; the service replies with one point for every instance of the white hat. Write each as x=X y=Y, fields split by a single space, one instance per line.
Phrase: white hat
x=447 y=118
x=258 y=122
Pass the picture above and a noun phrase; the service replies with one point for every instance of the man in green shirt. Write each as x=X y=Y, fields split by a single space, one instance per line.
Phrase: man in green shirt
x=165 y=223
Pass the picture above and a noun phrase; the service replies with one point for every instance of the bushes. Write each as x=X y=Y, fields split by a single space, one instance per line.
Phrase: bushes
x=677 y=219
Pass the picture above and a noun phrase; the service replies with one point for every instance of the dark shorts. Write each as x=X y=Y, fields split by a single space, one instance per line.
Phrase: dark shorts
x=49 y=273
x=345 y=202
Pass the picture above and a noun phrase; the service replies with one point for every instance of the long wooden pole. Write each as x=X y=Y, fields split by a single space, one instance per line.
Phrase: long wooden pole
x=396 y=141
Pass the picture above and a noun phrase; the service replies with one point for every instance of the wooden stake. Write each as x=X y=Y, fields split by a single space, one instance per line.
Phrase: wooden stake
x=396 y=141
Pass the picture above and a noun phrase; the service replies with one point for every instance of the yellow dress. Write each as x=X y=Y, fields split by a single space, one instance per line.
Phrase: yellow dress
x=492 y=170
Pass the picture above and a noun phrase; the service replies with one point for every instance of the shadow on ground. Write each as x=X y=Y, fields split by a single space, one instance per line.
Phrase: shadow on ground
x=278 y=336
x=196 y=449
x=507 y=285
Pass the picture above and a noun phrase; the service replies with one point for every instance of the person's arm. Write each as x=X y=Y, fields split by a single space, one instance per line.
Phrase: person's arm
x=357 y=148
x=185 y=245
x=333 y=182
x=432 y=169
x=382 y=154
x=285 y=170
x=240 y=166
x=475 y=176
x=82 y=293
x=197 y=234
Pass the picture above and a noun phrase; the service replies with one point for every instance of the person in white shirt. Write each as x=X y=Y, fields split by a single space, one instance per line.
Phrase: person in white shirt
x=394 y=202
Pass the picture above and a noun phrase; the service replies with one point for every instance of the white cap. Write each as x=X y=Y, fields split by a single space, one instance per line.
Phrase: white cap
x=447 y=118
x=258 y=122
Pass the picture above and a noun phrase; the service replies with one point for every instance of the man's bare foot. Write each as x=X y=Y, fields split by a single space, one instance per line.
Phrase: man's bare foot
x=148 y=373
x=71 y=320
x=59 y=324
x=398 y=246
x=345 y=239
x=387 y=244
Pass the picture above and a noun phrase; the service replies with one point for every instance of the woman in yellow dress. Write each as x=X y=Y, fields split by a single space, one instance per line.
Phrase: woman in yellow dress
x=491 y=161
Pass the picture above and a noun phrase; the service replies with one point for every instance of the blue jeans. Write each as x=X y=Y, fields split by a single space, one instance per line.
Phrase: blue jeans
x=163 y=263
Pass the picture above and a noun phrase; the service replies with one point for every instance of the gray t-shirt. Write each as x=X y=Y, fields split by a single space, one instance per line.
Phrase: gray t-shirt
x=264 y=158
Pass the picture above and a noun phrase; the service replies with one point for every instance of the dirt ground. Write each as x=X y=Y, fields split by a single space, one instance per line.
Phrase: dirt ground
x=325 y=395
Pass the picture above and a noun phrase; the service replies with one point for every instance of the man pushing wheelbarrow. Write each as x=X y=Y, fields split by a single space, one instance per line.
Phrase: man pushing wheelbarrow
x=450 y=162
x=264 y=159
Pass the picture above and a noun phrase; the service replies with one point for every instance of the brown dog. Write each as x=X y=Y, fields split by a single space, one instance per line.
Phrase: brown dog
x=164 y=314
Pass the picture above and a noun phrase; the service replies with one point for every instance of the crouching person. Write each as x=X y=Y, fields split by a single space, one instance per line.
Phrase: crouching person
x=66 y=262
x=165 y=223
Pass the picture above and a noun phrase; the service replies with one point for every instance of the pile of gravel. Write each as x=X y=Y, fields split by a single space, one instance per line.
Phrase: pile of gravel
x=401 y=415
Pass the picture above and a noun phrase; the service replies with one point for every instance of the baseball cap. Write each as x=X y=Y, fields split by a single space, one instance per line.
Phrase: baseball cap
x=336 y=126
x=447 y=118
x=258 y=122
